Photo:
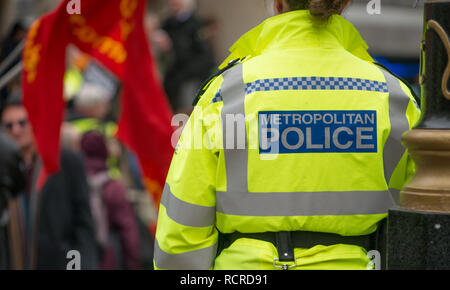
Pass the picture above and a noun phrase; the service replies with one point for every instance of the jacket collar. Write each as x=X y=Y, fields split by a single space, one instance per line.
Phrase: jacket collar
x=297 y=29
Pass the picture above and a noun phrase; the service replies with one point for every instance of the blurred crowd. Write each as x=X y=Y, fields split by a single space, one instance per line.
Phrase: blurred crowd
x=97 y=204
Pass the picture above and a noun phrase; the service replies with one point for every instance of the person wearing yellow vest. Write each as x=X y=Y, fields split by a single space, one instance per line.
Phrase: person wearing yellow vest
x=293 y=154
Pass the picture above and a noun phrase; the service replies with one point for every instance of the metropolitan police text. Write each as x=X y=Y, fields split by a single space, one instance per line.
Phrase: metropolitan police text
x=317 y=132
x=274 y=132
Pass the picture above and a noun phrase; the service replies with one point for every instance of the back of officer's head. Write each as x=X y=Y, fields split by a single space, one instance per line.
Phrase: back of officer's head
x=321 y=9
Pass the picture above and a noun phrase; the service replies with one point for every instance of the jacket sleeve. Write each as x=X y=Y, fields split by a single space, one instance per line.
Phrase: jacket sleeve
x=408 y=113
x=186 y=236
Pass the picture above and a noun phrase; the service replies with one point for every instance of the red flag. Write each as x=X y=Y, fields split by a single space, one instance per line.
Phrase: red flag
x=114 y=34
x=42 y=81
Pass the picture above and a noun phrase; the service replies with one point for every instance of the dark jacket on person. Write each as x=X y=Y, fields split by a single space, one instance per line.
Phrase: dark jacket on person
x=12 y=182
x=65 y=221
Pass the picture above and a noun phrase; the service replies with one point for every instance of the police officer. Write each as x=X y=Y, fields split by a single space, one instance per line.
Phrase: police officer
x=293 y=154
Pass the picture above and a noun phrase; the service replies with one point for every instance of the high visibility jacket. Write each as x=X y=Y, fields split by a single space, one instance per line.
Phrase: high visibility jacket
x=108 y=129
x=321 y=150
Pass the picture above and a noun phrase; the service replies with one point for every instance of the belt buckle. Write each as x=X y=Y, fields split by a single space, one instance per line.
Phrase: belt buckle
x=284 y=266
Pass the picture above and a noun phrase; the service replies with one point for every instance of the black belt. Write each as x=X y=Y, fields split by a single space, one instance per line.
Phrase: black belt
x=285 y=242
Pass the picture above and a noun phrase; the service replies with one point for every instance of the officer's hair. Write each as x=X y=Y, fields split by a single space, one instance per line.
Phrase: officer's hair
x=321 y=9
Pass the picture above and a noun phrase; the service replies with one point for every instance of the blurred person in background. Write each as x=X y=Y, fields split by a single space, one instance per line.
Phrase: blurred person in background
x=76 y=64
x=93 y=104
x=159 y=42
x=12 y=183
x=193 y=61
x=117 y=218
x=52 y=218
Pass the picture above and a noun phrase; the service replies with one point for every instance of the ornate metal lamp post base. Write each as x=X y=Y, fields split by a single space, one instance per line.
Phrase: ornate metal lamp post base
x=419 y=230
x=429 y=190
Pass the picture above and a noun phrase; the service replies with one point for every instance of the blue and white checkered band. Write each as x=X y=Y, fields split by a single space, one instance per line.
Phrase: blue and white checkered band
x=311 y=83
x=316 y=83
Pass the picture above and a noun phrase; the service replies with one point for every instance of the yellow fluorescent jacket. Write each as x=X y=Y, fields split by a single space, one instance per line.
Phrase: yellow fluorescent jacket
x=311 y=91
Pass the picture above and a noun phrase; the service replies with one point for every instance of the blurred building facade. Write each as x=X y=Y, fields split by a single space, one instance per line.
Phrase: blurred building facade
x=233 y=18
x=395 y=33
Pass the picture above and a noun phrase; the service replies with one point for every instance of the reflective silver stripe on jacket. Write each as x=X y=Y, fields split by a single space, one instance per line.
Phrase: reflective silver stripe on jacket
x=185 y=213
x=202 y=259
x=236 y=157
x=239 y=201
x=303 y=203
x=393 y=149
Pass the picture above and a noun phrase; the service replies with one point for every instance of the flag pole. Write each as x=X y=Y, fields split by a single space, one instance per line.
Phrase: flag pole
x=12 y=56
x=11 y=74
